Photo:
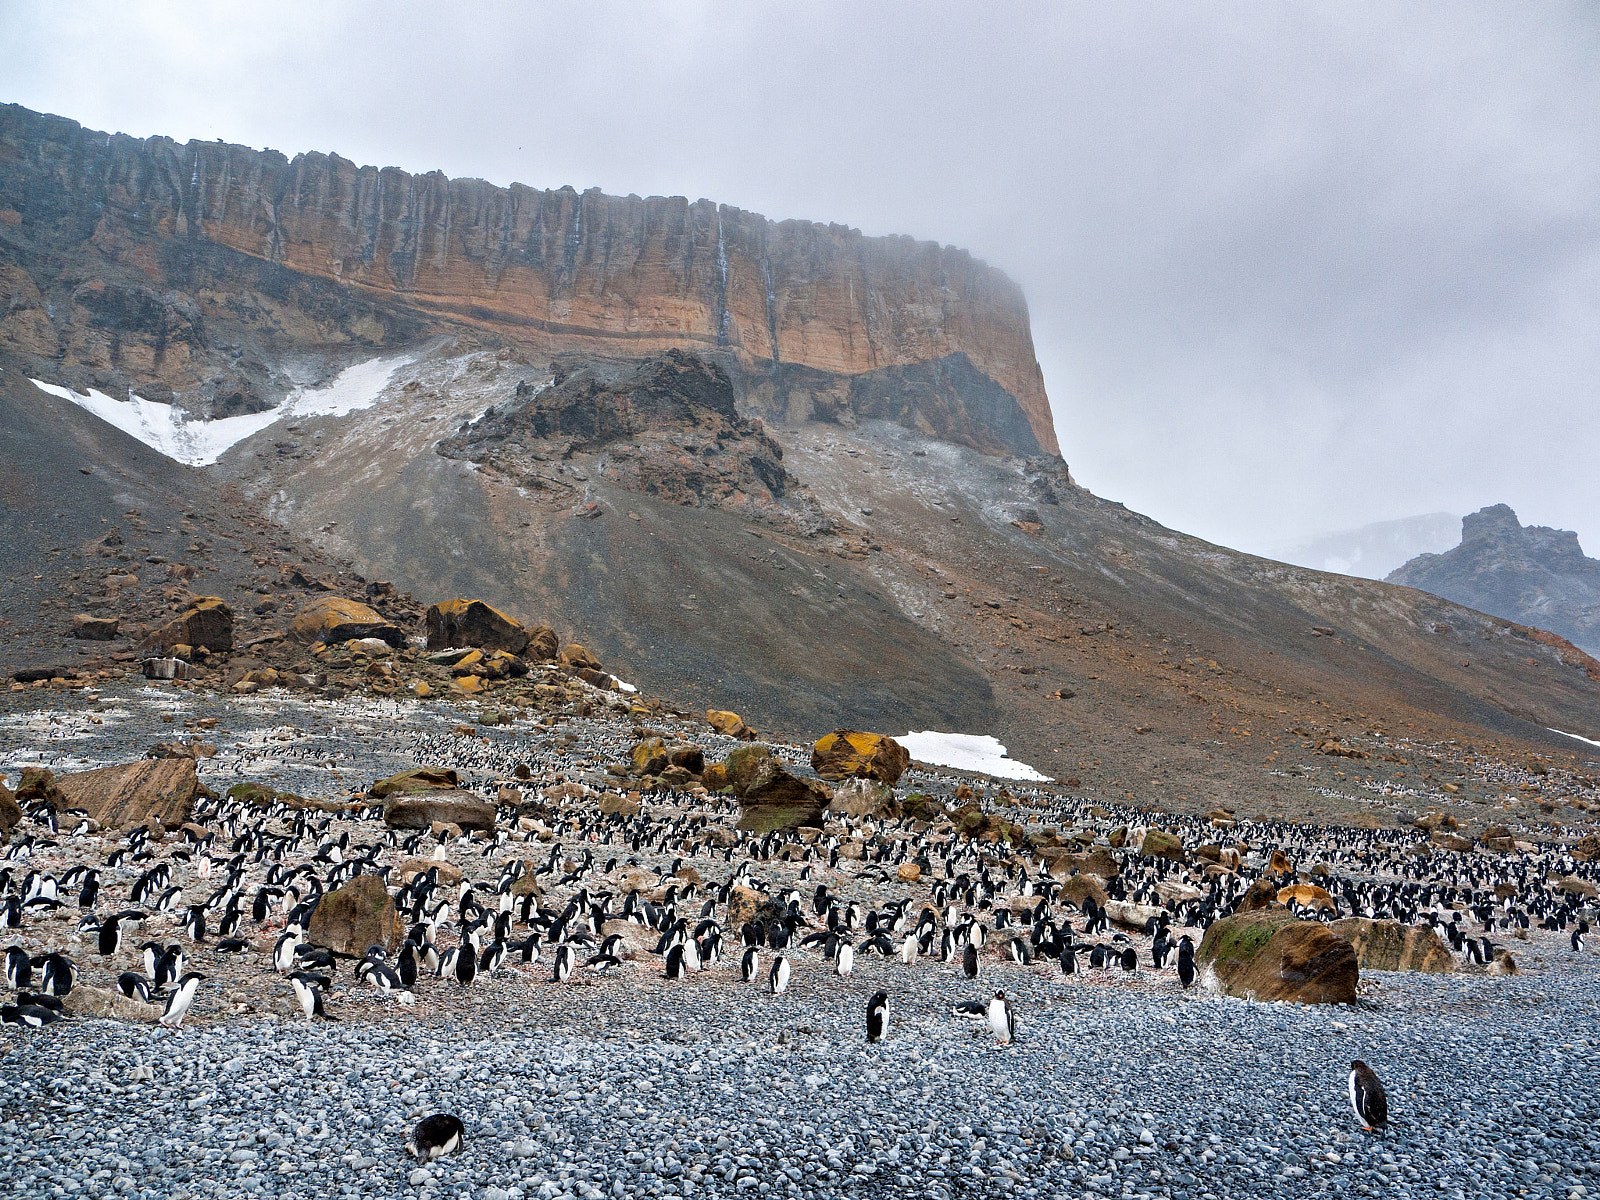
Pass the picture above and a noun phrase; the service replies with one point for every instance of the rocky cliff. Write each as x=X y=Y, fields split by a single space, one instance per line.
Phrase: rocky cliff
x=185 y=271
x=1529 y=574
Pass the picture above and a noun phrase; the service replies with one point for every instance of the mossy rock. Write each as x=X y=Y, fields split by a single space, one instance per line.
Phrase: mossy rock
x=254 y=794
x=1238 y=938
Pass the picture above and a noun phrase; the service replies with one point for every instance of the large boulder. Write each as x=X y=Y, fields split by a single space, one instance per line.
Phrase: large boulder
x=332 y=619
x=1307 y=895
x=131 y=794
x=847 y=752
x=747 y=904
x=1269 y=955
x=418 y=779
x=1585 y=849
x=10 y=810
x=730 y=724
x=1158 y=843
x=85 y=1000
x=1083 y=886
x=857 y=797
x=425 y=809
x=356 y=915
x=1391 y=946
x=1134 y=916
x=1064 y=863
x=91 y=628
x=207 y=622
x=474 y=623
x=648 y=757
x=774 y=799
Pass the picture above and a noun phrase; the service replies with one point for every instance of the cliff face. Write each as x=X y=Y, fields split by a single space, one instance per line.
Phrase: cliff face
x=368 y=256
x=1529 y=574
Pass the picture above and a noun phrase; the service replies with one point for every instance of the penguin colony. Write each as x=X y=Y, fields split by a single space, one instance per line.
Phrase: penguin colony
x=611 y=892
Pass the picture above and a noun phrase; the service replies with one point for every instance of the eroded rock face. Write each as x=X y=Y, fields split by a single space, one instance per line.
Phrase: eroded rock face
x=474 y=623
x=1269 y=955
x=356 y=915
x=1391 y=946
x=847 y=752
x=132 y=793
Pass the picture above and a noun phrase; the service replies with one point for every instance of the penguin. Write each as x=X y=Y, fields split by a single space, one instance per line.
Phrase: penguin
x=975 y=1010
x=563 y=969
x=110 y=937
x=1186 y=961
x=969 y=961
x=465 y=966
x=1578 y=930
x=1069 y=958
x=778 y=977
x=194 y=922
x=29 y=1016
x=845 y=961
x=132 y=985
x=309 y=994
x=677 y=968
x=181 y=998
x=232 y=946
x=1130 y=959
x=749 y=963
x=1017 y=950
x=406 y=966
x=283 y=953
x=437 y=1136
x=1002 y=1019
x=878 y=1017
x=58 y=976
x=1367 y=1097
x=169 y=966
x=908 y=948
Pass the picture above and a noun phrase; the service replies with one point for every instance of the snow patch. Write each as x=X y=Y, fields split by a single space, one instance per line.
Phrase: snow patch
x=968 y=752
x=1575 y=737
x=166 y=428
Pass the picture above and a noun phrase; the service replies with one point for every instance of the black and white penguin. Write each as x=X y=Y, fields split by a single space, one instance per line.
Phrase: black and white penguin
x=194 y=922
x=134 y=986
x=908 y=948
x=232 y=946
x=28 y=1016
x=878 y=1017
x=1130 y=959
x=975 y=1010
x=169 y=966
x=181 y=998
x=406 y=966
x=1367 y=1097
x=437 y=1136
x=750 y=963
x=845 y=960
x=308 y=992
x=58 y=975
x=1578 y=930
x=969 y=961
x=564 y=959
x=1186 y=961
x=110 y=936
x=677 y=968
x=778 y=976
x=1002 y=1019
x=1069 y=957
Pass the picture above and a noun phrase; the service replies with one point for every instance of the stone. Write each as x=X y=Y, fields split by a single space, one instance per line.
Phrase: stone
x=207 y=622
x=85 y=1000
x=858 y=797
x=1259 y=895
x=574 y=655
x=91 y=628
x=474 y=623
x=742 y=764
x=747 y=904
x=1585 y=849
x=132 y=794
x=1099 y=861
x=648 y=757
x=1269 y=955
x=1450 y=841
x=10 y=810
x=1158 y=843
x=1307 y=895
x=848 y=752
x=1502 y=963
x=774 y=799
x=1574 y=886
x=615 y=804
x=1077 y=888
x=1280 y=864
x=166 y=668
x=356 y=915
x=371 y=647
x=729 y=724
x=409 y=869
x=424 y=809
x=419 y=779
x=333 y=619
x=908 y=872
x=1391 y=946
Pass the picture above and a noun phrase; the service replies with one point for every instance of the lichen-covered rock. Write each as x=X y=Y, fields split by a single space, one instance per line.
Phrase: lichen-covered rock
x=847 y=752
x=1391 y=946
x=774 y=799
x=1158 y=843
x=474 y=623
x=419 y=779
x=1269 y=955
x=131 y=794
x=332 y=619
x=729 y=724
x=356 y=915
x=207 y=622
x=648 y=757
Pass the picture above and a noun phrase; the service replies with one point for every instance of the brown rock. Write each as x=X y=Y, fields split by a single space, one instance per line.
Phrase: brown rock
x=419 y=810
x=908 y=872
x=449 y=873
x=615 y=804
x=1077 y=888
x=10 y=810
x=847 y=752
x=574 y=655
x=542 y=644
x=356 y=915
x=85 y=1000
x=857 y=797
x=1391 y=946
x=1132 y=916
x=747 y=904
x=648 y=757
x=1260 y=895
x=1158 y=843
x=1574 y=886
x=1451 y=841
x=1502 y=963
x=1585 y=849
x=131 y=794
x=1269 y=955
x=420 y=779
x=94 y=629
x=474 y=623
x=1306 y=894
x=730 y=724
x=1280 y=864
x=774 y=799
x=334 y=619
x=207 y=622
x=1097 y=861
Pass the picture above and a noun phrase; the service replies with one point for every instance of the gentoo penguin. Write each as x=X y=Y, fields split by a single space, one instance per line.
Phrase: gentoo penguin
x=778 y=977
x=845 y=961
x=969 y=961
x=878 y=1016
x=181 y=998
x=1367 y=1097
x=1002 y=1019
x=1186 y=961
x=750 y=963
x=437 y=1135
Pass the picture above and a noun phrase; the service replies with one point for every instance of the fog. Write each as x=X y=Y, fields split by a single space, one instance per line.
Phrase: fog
x=1292 y=269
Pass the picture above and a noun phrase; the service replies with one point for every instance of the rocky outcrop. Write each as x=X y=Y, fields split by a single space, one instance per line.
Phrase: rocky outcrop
x=858 y=797
x=118 y=797
x=355 y=916
x=848 y=752
x=1269 y=955
x=1391 y=946
x=190 y=251
x=474 y=623
x=770 y=796
x=1533 y=575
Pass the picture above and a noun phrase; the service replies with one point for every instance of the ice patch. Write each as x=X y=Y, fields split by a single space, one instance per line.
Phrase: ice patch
x=968 y=752
x=169 y=430
x=1575 y=737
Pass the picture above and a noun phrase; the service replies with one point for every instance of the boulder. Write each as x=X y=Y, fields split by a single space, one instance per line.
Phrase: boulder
x=1502 y=963
x=1063 y=864
x=449 y=873
x=1451 y=841
x=574 y=655
x=1158 y=843
x=774 y=799
x=1133 y=916
x=747 y=904
x=356 y=915
x=908 y=872
x=420 y=779
x=742 y=765
x=424 y=809
x=131 y=794
x=207 y=622
x=615 y=804
x=91 y=628
x=648 y=757
x=729 y=724
x=691 y=758
x=1082 y=886
x=1280 y=864
x=87 y=1001
x=1391 y=946
x=1573 y=886
x=1269 y=955
x=474 y=623
x=857 y=797
x=1585 y=849
x=847 y=752
x=1308 y=895
x=1259 y=895
x=333 y=619
x=10 y=810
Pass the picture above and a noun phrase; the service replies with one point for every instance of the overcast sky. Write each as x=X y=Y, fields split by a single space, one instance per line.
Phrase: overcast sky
x=1292 y=267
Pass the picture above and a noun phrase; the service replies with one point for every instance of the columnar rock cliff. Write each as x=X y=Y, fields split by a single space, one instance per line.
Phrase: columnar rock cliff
x=333 y=253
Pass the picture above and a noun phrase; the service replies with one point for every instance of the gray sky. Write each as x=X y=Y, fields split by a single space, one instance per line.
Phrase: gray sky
x=1292 y=268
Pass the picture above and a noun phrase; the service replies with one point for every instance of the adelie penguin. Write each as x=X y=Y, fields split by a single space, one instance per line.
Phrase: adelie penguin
x=969 y=961
x=308 y=992
x=878 y=1017
x=181 y=998
x=1186 y=961
x=438 y=1135
x=1367 y=1098
x=778 y=977
x=750 y=963
x=1002 y=1019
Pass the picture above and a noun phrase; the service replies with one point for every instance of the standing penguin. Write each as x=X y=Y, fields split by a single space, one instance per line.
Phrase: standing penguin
x=181 y=998
x=1002 y=1019
x=1578 y=930
x=308 y=992
x=749 y=963
x=563 y=967
x=1367 y=1097
x=778 y=977
x=878 y=1017
x=845 y=961
x=1069 y=957
x=437 y=1136
x=1186 y=961
x=969 y=961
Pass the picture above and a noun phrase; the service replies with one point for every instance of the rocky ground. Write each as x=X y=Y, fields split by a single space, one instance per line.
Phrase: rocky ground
x=632 y=1084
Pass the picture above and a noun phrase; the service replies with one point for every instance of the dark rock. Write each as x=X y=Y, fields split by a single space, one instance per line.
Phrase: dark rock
x=132 y=794
x=1269 y=955
x=474 y=623
x=355 y=916
x=10 y=810
x=419 y=779
x=774 y=799
x=207 y=622
x=94 y=629
x=1158 y=843
x=857 y=797
x=424 y=809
